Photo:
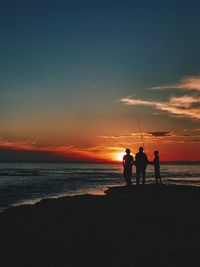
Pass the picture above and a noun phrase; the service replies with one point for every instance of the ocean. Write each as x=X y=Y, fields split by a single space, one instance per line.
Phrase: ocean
x=27 y=183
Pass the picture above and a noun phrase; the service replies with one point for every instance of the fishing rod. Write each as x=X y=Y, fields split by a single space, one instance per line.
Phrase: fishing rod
x=115 y=141
x=140 y=129
x=112 y=139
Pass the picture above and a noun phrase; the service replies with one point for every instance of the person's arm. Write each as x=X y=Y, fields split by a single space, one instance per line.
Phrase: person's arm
x=136 y=159
x=148 y=162
x=123 y=162
x=158 y=161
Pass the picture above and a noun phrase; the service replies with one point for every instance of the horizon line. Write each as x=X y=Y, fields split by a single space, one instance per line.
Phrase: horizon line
x=96 y=161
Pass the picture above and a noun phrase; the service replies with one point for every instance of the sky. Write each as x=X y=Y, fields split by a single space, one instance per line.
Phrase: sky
x=83 y=80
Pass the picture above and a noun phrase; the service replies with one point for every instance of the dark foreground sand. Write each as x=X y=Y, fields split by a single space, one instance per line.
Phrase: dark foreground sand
x=151 y=226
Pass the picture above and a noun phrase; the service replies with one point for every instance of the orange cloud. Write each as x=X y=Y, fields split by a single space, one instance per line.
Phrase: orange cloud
x=187 y=106
x=181 y=136
x=182 y=106
x=91 y=153
x=187 y=83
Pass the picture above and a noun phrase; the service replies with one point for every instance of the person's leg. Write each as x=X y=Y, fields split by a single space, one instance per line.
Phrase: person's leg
x=128 y=179
x=143 y=176
x=158 y=174
x=155 y=175
x=160 y=178
x=129 y=183
x=127 y=176
x=131 y=178
x=156 y=178
x=137 y=176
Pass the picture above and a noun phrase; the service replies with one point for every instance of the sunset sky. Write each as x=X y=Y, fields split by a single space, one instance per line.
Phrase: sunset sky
x=79 y=79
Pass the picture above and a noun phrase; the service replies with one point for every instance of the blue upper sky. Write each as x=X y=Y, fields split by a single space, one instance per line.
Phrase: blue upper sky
x=79 y=44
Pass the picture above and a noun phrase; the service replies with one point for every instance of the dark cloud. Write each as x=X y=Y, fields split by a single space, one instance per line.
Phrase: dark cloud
x=9 y=155
x=159 y=134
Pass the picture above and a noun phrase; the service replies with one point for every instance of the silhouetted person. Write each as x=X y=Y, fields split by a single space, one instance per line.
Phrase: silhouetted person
x=156 y=164
x=141 y=162
x=127 y=164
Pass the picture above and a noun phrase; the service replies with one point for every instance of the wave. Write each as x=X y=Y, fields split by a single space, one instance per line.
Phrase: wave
x=87 y=172
x=53 y=172
x=184 y=181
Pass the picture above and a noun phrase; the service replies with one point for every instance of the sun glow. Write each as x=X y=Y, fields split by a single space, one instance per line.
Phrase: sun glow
x=119 y=156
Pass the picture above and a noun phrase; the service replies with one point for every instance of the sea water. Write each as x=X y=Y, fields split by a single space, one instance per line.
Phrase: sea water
x=27 y=183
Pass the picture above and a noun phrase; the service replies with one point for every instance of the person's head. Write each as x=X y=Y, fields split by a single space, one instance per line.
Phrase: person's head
x=156 y=152
x=128 y=151
x=141 y=149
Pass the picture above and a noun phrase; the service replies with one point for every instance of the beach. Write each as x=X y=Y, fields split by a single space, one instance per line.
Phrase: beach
x=145 y=226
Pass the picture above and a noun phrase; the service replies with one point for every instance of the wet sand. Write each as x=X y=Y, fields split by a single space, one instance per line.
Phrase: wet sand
x=150 y=226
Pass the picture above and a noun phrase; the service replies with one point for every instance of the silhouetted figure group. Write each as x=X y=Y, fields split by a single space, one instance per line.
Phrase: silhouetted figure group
x=141 y=161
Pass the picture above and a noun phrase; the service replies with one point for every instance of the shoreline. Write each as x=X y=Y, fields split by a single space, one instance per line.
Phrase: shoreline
x=110 y=191
x=157 y=225
x=31 y=202
x=95 y=192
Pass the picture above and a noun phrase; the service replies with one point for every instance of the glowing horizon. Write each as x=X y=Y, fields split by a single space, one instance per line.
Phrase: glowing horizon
x=110 y=153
